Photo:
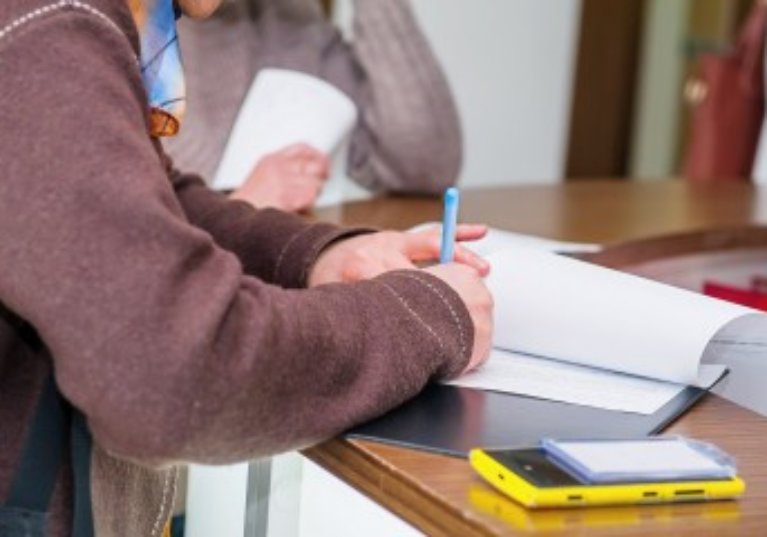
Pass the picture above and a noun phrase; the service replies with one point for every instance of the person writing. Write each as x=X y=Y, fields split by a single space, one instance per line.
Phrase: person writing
x=407 y=137
x=180 y=325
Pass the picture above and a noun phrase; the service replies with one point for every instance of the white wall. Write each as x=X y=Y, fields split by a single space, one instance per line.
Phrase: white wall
x=510 y=63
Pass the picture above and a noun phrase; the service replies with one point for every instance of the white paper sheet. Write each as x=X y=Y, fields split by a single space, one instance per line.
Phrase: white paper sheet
x=282 y=108
x=558 y=307
x=558 y=381
x=497 y=240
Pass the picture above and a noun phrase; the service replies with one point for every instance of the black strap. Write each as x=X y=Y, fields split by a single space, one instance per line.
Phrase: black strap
x=82 y=525
x=35 y=477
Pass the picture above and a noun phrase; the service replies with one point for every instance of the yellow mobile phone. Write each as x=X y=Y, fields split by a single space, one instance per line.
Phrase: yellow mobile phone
x=533 y=479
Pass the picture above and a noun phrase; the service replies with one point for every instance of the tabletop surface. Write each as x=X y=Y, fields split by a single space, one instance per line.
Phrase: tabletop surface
x=442 y=495
x=590 y=211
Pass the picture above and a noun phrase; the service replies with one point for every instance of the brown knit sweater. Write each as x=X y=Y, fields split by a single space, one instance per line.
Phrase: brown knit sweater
x=171 y=316
x=408 y=138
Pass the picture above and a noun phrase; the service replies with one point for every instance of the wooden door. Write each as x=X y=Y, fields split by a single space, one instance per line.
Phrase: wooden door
x=604 y=88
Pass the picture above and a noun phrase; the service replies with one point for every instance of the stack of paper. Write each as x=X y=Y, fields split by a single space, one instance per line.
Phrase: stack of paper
x=571 y=331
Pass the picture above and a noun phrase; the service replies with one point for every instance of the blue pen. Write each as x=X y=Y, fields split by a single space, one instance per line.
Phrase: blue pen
x=449 y=223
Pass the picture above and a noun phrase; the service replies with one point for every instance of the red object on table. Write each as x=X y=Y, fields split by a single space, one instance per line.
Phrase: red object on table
x=751 y=297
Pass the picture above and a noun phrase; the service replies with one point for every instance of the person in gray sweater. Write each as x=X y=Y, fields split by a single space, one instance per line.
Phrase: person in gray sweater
x=408 y=136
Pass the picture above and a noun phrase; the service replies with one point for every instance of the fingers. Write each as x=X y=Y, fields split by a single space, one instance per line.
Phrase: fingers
x=470 y=232
x=463 y=232
x=299 y=150
x=317 y=166
x=302 y=191
x=375 y=267
x=426 y=246
x=305 y=182
x=400 y=262
x=307 y=160
x=467 y=257
x=422 y=246
x=478 y=301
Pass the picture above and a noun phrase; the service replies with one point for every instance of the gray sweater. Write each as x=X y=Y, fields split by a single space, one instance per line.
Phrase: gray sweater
x=408 y=138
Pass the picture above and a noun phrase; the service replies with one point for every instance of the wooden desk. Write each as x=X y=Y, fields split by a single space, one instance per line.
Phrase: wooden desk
x=596 y=211
x=440 y=495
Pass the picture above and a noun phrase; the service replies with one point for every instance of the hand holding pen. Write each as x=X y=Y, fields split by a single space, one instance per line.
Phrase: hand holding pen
x=367 y=256
x=466 y=281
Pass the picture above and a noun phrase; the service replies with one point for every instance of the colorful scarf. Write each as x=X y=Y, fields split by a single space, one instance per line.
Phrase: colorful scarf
x=161 y=66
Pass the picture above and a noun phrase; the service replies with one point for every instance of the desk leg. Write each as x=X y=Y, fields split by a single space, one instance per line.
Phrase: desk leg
x=274 y=497
x=257 y=503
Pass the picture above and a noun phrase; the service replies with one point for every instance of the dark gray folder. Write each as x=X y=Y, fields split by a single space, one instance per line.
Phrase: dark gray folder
x=452 y=420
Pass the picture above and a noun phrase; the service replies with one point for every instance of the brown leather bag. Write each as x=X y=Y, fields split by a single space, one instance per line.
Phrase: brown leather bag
x=727 y=95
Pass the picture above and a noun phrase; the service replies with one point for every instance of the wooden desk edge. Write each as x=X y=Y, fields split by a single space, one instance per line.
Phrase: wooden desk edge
x=632 y=252
x=359 y=464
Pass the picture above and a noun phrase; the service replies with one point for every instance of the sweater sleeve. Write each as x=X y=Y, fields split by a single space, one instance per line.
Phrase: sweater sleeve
x=156 y=334
x=409 y=139
x=274 y=246
x=409 y=136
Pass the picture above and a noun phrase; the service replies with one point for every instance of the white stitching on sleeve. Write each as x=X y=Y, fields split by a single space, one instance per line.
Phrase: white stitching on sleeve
x=461 y=334
x=168 y=496
x=284 y=250
x=417 y=317
x=30 y=16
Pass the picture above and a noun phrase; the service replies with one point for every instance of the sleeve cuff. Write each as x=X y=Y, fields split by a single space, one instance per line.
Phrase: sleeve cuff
x=438 y=309
x=291 y=269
